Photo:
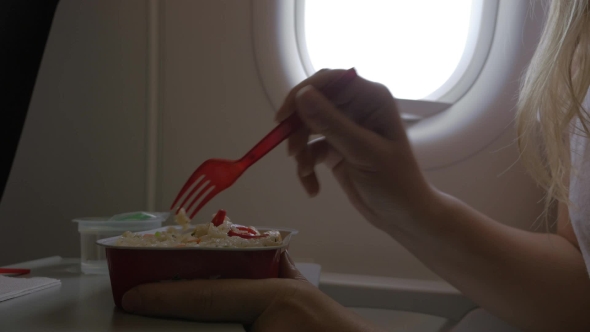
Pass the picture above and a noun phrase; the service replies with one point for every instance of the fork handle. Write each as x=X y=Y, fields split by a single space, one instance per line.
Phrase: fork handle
x=271 y=140
x=292 y=123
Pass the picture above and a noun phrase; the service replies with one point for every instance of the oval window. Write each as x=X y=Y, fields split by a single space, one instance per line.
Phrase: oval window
x=416 y=48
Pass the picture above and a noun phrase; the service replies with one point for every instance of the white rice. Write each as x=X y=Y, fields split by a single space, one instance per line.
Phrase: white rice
x=202 y=235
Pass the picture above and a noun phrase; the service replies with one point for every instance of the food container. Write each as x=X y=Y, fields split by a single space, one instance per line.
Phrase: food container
x=93 y=257
x=132 y=266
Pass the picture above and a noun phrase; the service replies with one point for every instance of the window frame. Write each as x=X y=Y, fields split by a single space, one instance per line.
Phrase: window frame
x=442 y=133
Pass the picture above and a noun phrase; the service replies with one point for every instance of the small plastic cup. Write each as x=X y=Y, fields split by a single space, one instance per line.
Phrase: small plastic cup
x=93 y=257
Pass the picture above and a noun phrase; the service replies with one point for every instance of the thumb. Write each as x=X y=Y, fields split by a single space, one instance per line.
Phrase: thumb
x=322 y=117
x=288 y=268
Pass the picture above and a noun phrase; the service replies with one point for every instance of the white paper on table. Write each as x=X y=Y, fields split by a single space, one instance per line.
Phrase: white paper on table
x=11 y=287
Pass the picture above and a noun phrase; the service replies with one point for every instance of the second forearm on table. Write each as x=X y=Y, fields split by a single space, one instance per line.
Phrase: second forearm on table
x=535 y=281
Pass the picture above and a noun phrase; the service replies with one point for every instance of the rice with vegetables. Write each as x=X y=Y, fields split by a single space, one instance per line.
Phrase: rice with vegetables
x=219 y=233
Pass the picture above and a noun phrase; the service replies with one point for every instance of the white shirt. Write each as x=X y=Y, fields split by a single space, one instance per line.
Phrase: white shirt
x=579 y=190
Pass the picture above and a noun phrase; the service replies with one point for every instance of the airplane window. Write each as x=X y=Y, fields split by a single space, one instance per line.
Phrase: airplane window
x=454 y=66
x=417 y=48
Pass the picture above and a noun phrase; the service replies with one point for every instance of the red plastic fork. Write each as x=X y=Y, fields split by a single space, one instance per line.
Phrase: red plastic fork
x=216 y=175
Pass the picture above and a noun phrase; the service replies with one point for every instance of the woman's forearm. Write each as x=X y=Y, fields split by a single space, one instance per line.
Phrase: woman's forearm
x=537 y=282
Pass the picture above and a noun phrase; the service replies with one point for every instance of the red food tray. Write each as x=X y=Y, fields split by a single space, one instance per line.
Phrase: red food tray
x=132 y=266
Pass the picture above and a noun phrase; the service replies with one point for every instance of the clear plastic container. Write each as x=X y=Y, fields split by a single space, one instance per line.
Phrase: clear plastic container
x=93 y=257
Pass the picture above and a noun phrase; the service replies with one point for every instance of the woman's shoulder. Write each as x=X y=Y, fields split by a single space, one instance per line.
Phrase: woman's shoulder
x=579 y=184
x=578 y=136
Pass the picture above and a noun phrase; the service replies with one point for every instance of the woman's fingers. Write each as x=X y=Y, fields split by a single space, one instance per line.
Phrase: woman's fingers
x=323 y=117
x=306 y=173
x=229 y=300
x=318 y=80
x=316 y=152
x=239 y=301
x=297 y=141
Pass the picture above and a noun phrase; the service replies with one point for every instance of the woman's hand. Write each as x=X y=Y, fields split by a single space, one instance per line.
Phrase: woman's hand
x=289 y=303
x=365 y=145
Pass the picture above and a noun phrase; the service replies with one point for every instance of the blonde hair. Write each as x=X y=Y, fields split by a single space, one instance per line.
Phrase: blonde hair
x=551 y=96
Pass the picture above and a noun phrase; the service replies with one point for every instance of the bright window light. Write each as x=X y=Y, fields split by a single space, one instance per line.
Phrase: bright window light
x=411 y=46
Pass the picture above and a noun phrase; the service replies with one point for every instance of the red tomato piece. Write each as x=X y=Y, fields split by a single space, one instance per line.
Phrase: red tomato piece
x=219 y=218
